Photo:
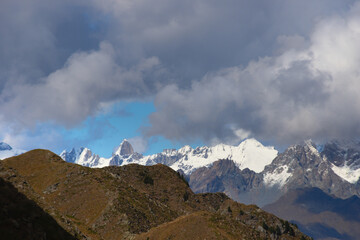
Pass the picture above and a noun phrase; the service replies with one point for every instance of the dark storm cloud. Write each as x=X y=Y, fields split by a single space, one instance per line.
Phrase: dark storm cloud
x=38 y=36
x=81 y=88
x=66 y=60
x=262 y=99
x=300 y=94
x=193 y=37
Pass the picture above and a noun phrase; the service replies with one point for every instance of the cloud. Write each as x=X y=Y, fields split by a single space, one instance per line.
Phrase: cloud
x=63 y=62
x=140 y=144
x=44 y=136
x=309 y=92
x=188 y=38
x=193 y=37
x=70 y=94
x=37 y=37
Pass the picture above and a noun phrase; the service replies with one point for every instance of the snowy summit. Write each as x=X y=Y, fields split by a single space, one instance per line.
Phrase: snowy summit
x=7 y=151
x=248 y=154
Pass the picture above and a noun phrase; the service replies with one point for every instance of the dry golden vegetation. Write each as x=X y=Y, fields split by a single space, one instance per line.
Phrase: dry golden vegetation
x=134 y=201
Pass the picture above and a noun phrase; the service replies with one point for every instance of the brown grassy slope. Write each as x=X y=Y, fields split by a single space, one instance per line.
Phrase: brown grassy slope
x=64 y=190
x=101 y=203
x=121 y=202
x=232 y=221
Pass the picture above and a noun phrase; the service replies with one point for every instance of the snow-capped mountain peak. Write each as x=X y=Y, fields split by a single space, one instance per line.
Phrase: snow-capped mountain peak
x=123 y=154
x=7 y=151
x=249 y=154
x=255 y=156
x=295 y=161
x=124 y=149
x=311 y=147
x=344 y=156
x=71 y=156
x=4 y=146
x=185 y=150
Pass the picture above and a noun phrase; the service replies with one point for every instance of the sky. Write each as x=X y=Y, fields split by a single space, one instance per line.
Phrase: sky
x=165 y=73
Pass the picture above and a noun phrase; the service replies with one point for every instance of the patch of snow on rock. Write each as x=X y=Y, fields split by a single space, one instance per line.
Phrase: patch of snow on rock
x=347 y=173
x=279 y=177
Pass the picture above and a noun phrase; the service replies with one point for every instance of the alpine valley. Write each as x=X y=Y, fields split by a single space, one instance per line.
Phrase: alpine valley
x=251 y=173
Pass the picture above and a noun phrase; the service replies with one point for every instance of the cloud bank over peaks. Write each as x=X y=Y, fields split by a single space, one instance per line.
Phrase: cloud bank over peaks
x=64 y=62
x=305 y=92
x=87 y=81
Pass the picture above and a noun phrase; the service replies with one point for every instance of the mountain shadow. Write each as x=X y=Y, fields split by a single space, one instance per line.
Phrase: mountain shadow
x=321 y=231
x=22 y=218
x=316 y=201
x=318 y=214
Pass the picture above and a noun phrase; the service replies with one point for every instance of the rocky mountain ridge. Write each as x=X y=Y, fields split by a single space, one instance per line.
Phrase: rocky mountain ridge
x=248 y=154
x=299 y=166
x=127 y=202
x=332 y=168
x=255 y=174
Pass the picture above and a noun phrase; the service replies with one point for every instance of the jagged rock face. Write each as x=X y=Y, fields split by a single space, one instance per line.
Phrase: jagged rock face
x=244 y=186
x=299 y=166
x=72 y=155
x=116 y=161
x=303 y=166
x=4 y=146
x=342 y=153
x=126 y=148
x=69 y=156
x=334 y=153
x=224 y=176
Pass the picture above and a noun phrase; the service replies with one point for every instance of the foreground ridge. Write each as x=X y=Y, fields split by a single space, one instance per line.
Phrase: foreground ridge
x=132 y=201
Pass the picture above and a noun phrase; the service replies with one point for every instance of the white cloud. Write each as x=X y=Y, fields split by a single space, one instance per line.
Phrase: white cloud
x=69 y=95
x=40 y=137
x=139 y=144
x=53 y=70
x=303 y=93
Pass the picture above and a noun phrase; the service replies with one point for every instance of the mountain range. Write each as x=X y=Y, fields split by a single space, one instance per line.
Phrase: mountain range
x=248 y=154
x=333 y=167
x=44 y=197
x=251 y=173
x=255 y=174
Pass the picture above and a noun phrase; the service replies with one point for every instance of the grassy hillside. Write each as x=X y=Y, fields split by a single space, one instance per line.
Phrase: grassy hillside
x=133 y=201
